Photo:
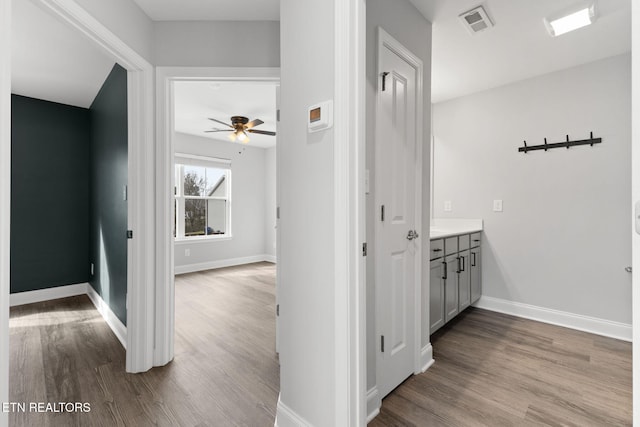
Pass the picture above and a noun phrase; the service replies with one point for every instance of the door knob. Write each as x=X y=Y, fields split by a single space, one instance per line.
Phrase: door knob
x=413 y=234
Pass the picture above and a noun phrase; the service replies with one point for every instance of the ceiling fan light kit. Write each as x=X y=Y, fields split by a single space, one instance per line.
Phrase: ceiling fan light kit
x=239 y=127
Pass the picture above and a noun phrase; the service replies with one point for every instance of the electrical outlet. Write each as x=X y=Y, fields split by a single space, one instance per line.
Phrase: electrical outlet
x=447 y=206
x=187 y=252
x=497 y=205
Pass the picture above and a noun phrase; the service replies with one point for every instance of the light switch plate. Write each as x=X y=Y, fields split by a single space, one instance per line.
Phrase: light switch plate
x=447 y=206
x=497 y=205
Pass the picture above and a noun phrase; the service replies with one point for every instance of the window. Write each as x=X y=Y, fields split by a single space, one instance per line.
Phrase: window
x=202 y=197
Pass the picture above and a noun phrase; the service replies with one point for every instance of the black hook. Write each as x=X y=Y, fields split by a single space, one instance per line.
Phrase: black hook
x=525 y=147
x=591 y=138
x=568 y=142
x=545 y=144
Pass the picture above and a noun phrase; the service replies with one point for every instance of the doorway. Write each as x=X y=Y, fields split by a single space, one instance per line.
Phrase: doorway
x=178 y=256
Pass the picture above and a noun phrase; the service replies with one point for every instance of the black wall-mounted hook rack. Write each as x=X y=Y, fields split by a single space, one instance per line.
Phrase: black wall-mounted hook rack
x=526 y=148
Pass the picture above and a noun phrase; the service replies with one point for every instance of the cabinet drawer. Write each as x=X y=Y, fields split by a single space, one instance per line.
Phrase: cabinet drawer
x=451 y=245
x=476 y=240
x=437 y=249
x=463 y=242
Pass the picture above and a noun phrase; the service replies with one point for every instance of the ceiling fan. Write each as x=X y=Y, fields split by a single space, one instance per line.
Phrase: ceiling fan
x=239 y=127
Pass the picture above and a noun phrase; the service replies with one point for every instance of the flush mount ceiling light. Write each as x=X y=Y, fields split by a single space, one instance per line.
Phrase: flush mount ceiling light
x=577 y=17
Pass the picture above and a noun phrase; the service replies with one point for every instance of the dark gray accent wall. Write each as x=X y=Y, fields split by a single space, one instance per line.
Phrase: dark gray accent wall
x=109 y=174
x=49 y=194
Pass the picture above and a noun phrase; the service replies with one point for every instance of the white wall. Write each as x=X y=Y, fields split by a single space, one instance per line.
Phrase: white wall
x=563 y=240
x=306 y=168
x=270 y=202
x=407 y=25
x=248 y=207
x=217 y=44
x=126 y=20
x=635 y=198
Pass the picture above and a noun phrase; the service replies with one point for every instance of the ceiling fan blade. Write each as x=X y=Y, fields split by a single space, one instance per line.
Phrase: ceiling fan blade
x=262 y=132
x=217 y=130
x=222 y=123
x=253 y=123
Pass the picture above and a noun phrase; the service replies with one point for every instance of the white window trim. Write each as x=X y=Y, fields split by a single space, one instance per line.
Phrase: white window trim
x=210 y=162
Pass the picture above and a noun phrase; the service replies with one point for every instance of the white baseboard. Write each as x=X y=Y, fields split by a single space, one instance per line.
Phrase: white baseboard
x=373 y=403
x=192 y=268
x=426 y=357
x=579 y=322
x=30 y=297
x=270 y=258
x=286 y=417
x=109 y=316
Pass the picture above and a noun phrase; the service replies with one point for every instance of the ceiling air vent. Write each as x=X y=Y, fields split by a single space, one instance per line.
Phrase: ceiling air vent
x=476 y=20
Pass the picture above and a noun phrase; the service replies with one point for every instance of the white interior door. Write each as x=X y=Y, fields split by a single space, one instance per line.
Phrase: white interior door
x=397 y=250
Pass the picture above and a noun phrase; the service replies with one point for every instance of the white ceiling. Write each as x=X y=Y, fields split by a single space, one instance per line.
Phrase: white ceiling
x=518 y=47
x=211 y=10
x=51 y=61
x=196 y=101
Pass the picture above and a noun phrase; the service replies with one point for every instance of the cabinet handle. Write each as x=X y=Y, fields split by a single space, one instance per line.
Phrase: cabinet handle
x=464 y=264
x=476 y=240
x=459 y=266
x=444 y=264
x=473 y=259
x=437 y=250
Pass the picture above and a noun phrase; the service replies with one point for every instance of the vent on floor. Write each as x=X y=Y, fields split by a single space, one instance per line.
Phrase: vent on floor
x=476 y=20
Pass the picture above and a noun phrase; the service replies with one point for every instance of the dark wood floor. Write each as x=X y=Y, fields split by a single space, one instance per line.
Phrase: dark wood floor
x=490 y=370
x=497 y=370
x=225 y=371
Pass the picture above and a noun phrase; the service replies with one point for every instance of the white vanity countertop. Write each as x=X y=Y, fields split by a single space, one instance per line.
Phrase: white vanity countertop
x=445 y=227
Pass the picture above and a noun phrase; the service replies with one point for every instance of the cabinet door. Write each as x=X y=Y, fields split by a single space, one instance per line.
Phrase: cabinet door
x=436 y=295
x=464 y=285
x=476 y=275
x=451 y=287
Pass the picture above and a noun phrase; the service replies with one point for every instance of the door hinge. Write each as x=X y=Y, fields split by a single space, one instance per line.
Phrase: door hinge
x=277 y=115
x=278 y=212
x=277 y=309
x=382 y=343
x=382 y=213
x=364 y=249
x=129 y=234
x=384 y=80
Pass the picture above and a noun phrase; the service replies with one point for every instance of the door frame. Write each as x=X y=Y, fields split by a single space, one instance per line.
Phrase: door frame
x=385 y=40
x=165 y=269
x=140 y=285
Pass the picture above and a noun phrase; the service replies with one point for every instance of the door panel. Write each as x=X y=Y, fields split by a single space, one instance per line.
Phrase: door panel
x=464 y=282
x=451 y=288
x=436 y=296
x=475 y=275
x=396 y=263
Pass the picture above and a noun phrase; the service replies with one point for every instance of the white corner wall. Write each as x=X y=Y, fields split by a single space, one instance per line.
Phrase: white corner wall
x=562 y=241
x=217 y=43
x=306 y=263
x=270 y=203
x=248 y=207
